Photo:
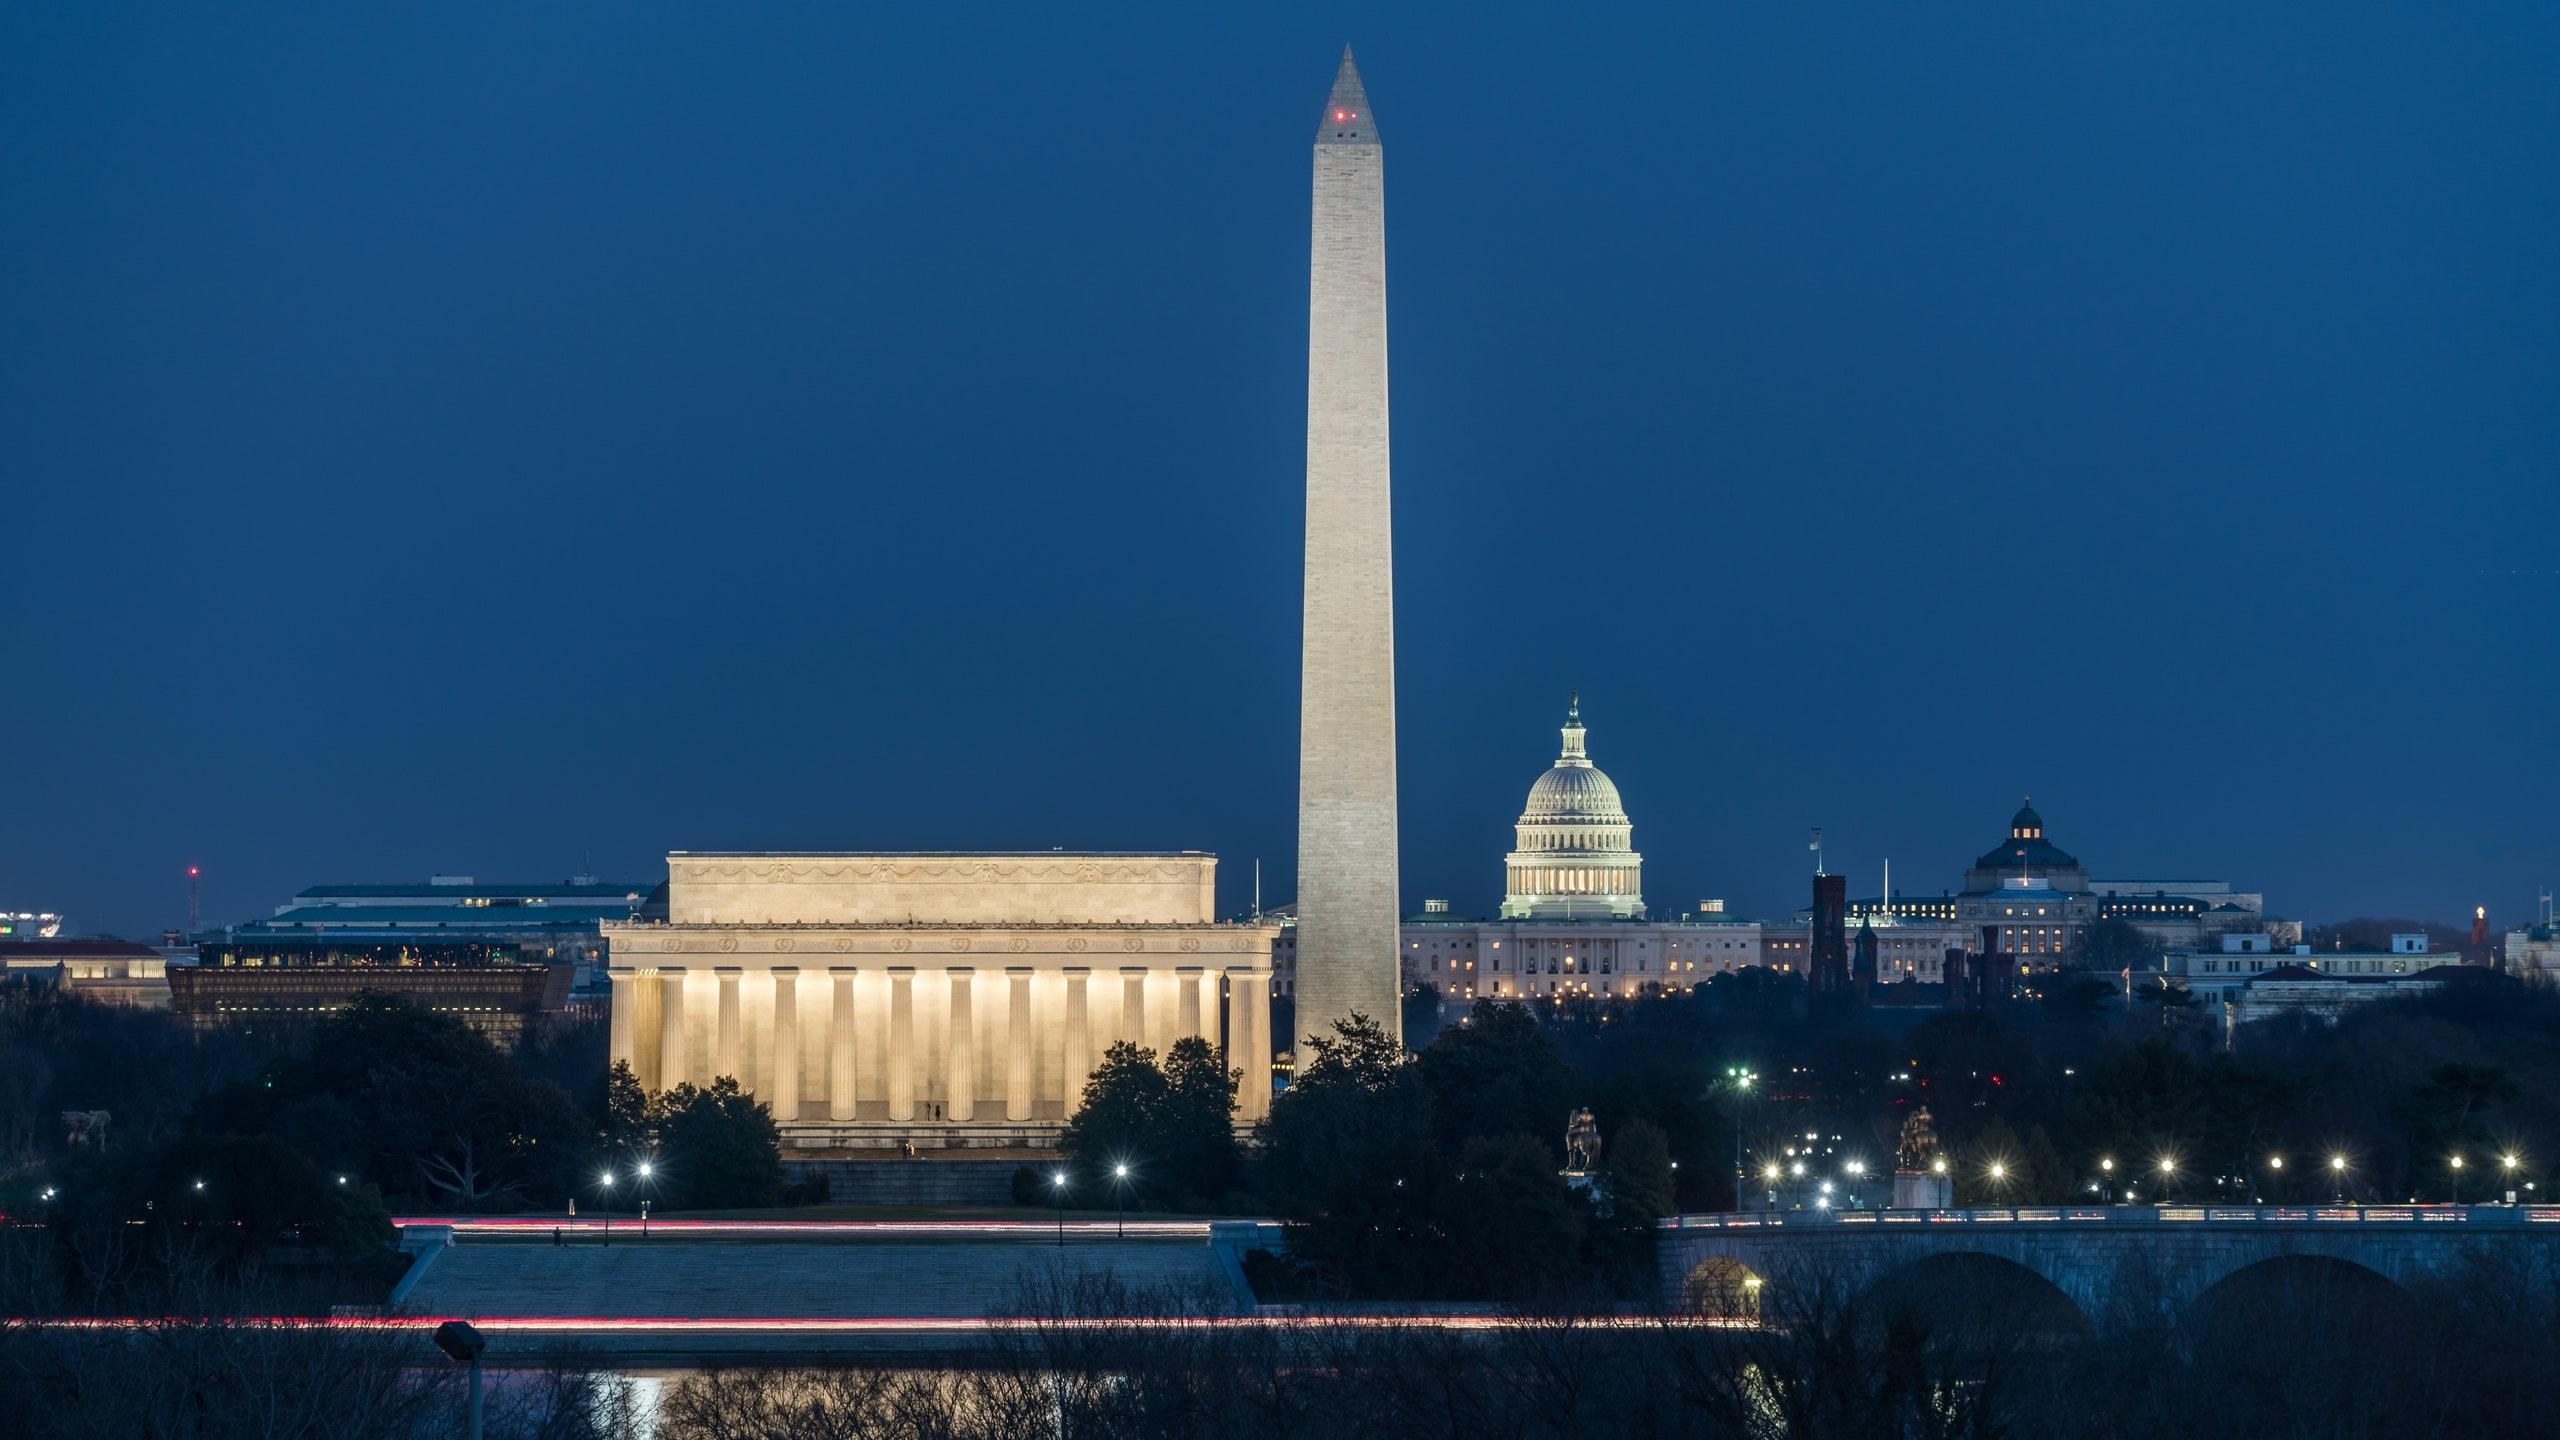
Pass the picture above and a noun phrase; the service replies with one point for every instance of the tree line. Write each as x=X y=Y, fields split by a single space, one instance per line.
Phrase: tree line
x=279 y=1165
x=1434 y=1173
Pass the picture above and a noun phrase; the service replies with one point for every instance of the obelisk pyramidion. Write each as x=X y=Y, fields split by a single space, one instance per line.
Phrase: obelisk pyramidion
x=1347 y=706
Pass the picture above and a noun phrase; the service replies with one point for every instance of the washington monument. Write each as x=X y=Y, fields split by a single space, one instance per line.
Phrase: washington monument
x=1347 y=908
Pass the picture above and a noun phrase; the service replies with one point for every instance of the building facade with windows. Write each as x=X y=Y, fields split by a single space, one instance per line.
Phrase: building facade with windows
x=281 y=984
x=2227 y=973
x=111 y=972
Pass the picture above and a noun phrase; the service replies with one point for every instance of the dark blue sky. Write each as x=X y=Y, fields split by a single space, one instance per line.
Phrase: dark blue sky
x=496 y=439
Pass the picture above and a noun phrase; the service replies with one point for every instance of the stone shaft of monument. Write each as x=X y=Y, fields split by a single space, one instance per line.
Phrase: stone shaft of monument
x=1347 y=899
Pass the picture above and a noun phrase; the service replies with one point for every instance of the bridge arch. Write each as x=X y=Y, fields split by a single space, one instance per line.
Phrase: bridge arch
x=1721 y=1286
x=1978 y=1291
x=2303 y=1281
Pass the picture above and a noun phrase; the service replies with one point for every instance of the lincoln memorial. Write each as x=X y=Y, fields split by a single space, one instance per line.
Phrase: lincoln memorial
x=939 y=999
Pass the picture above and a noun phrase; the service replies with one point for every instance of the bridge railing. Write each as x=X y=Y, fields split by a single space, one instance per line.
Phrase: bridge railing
x=2093 y=1216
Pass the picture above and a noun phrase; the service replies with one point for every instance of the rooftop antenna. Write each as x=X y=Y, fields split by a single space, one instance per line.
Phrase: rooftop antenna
x=1257 y=889
x=2546 y=904
x=1888 y=885
x=195 y=909
x=1816 y=848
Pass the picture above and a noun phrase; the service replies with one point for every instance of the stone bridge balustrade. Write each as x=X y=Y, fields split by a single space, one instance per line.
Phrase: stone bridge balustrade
x=2089 y=1253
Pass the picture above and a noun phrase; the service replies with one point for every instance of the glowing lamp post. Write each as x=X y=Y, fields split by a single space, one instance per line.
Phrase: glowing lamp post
x=1740 y=1078
x=1120 y=1183
x=1058 y=1202
x=2338 y=1175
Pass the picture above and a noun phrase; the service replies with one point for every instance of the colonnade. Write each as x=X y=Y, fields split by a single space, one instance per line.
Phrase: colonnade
x=954 y=1044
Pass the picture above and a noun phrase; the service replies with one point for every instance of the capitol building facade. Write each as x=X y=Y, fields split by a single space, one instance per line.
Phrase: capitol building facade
x=1573 y=920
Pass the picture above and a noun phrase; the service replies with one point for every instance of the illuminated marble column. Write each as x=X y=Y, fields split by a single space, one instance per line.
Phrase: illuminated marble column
x=840 y=1092
x=1254 y=1101
x=1017 y=1045
x=786 y=1042
x=1186 y=1013
x=961 y=1038
x=1133 y=1005
x=724 y=1044
x=1076 y=1055
x=626 y=1015
x=1239 y=1035
x=902 y=1043
x=672 y=1069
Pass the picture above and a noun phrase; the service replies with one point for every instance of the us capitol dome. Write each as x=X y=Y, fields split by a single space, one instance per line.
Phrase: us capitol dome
x=1575 y=858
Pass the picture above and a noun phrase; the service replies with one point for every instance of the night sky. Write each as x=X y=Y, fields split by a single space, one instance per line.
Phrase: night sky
x=514 y=440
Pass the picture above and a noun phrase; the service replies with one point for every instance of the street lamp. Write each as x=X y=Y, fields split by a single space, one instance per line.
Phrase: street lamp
x=463 y=1345
x=2168 y=1167
x=2454 y=1182
x=1740 y=1078
x=606 y=1180
x=2275 y=1163
x=1120 y=1182
x=1058 y=1202
x=2338 y=1173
